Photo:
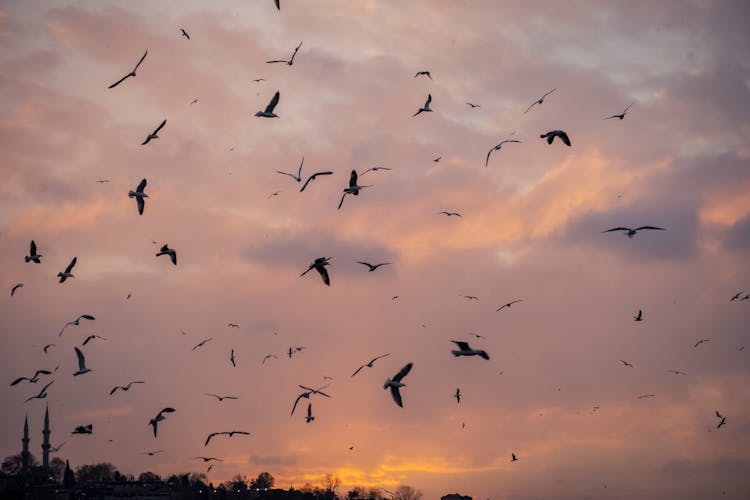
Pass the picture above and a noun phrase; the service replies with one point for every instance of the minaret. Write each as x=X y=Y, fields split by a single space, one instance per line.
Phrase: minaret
x=45 y=442
x=25 y=441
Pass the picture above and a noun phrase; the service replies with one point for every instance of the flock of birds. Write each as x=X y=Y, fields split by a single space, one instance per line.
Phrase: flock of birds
x=395 y=383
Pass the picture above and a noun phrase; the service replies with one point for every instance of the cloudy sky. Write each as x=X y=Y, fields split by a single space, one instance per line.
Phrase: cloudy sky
x=530 y=229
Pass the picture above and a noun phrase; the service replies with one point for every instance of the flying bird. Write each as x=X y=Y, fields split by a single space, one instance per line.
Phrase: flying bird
x=278 y=4
x=83 y=429
x=67 y=273
x=45 y=348
x=308 y=392
x=621 y=115
x=701 y=341
x=477 y=335
x=132 y=73
x=644 y=396
x=209 y=459
x=139 y=196
x=472 y=105
x=465 y=350
x=233 y=325
x=497 y=147
x=232 y=359
x=185 y=33
x=159 y=417
x=550 y=136
x=290 y=61
x=297 y=177
x=319 y=265
x=423 y=73
x=33 y=379
x=125 y=387
x=374 y=169
x=165 y=250
x=353 y=188
x=225 y=433
x=395 y=384
x=202 y=343
x=76 y=322
x=153 y=135
x=539 y=101
x=639 y=316
x=735 y=297
x=632 y=232
x=152 y=453
x=426 y=107
x=313 y=177
x=625 y=363
x=55 y=449
x=372 y=267
x=268 y=112
x=92 y=337
x=457 y=395
x=309 y=418
x=513 y=457
x=15 y=287
x=723 y=419
x=509 y=304
x=450 y=214
x=369 y=363
x=437 y=159
x=677 y=372
x=81 y=363
x=221 y=398
x=258 y=80
x=42 y=394
x=33 y=256
x=268 y=356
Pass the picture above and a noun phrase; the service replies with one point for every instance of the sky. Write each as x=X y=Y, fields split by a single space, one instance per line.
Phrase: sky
x=554 y=391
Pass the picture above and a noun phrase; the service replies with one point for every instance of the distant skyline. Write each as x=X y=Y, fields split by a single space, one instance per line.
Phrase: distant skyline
x=555 y=391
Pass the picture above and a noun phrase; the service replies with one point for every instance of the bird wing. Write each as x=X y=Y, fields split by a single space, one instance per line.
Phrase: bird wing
x=141 y=204
x=299 y=170
x=402 y=373
x=324 y=274
x=378 y=357
x=13 y=290
x=278 y=4
x=353 y=178
x=118 y=82
x=650 y=227
x=88 y=339
x=626 y=109
x=463 y=346
x=139 y=62
x=20 y=379
x=307 y=182
x=208 y=439
x=114 y=389
x=548 y=93
x=291 y=59
x=42 y=372
x=616 y=229
x=142 y=184
x=276 y=61
x=87 y=316
x=396 y=395
x=173 y=257
x=487 y=161
x=532 y=105
x=33 y=248
x=81 y=359
x=353 y=374
x=342 y=200
x=273 y=103
x=72 y=263
x=564 y=138
x=297 y=401
x=483 y=354
x=161 y=125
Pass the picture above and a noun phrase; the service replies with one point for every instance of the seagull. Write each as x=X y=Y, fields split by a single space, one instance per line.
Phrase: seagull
x=54 y=449
x=42 y=394
x=472 y=105
x=625 y=363
x=33 y=256
x=15 y=287
x=208 y=459
x=194 y=101
x=643 y=396
x=209 y=468
x=319 y=265
x=278 y=4
x=293 y=350
x=309 y=418
x=465 y=350
x=233 y=325
x=374 y=169
x=291 y=59
x=449 y=214
x=201 y=343
x=275 y=193
x=125 y=387
x=185 y=34
x=471 y=297
x=457 y=395
x=222 y=398
x=539 y=101
x=373 y=266
x=151 y=453
x=225 y=433
x=426 y=107
x=631 y=232
x=139 y=196
x=76 y=322
x=83 y=429
x=258 y=80
x=437 y=159
x=153 y=135
x=746 y=297
x=508 y=304
x=735 y=297
x=267 y=356
x=677 y=372
x=297 y=177
x=621 y=115
x=308 y=392
x=47 y=347
x=92 y=337
x=313 y=177
x=423 y=73
x=81 y=363
x=513 y=457
x=701 y=341
x=477 y=335
x=102 y=181
x=352 y=189
x=395 y=384
x=232 y=358
x=639 y=316
x=369 y=363
x=165 y=250
x=497 y=147
x=556 y=133
x=132 y=73
x=33 y=379
x=159 y=417
x=67 y=274
x=723 y=419
x=268 y=112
